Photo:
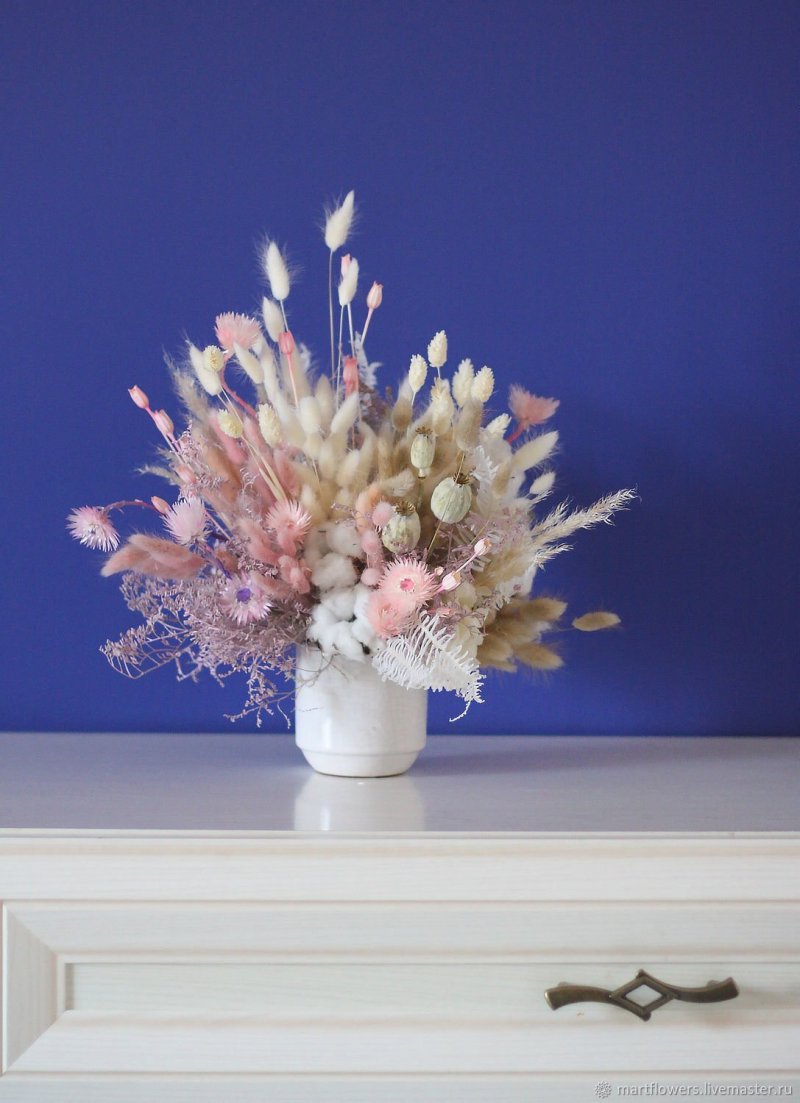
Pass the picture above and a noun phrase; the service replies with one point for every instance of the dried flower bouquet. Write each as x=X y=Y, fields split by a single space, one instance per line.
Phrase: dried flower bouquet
x=401 y=530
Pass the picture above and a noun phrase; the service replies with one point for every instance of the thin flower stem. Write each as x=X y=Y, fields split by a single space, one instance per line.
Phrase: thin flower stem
x=370 y=312
x=232 y=394
x=330 y=307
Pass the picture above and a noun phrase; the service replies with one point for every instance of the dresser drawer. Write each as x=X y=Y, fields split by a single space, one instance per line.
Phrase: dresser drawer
x=280 y=960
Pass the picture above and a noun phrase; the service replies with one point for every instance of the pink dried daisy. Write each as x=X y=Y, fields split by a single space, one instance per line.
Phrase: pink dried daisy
x=187 y=521
x=408 y=583
x=236 y=329
x=91 y=525
x=529 y=409
x=387 y=616
x=243 y=600
x=290 y=523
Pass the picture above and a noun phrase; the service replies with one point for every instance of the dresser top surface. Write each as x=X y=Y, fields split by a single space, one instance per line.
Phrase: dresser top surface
x=471 y=784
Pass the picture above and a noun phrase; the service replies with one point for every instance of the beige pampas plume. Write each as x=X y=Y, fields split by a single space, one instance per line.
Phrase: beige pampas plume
x=273 y=318
x=277 y=273
x=348 y=283
x=534 y=452
x=339 y=221
x=596 y=622
x=462 y=382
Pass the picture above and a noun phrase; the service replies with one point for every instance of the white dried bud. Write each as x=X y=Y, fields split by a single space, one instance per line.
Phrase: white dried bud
x=213 y=358
x=402 y=531
x=451 y=501
x=230 y=423
x=338 y=223
x=277 y=272
x=273 y=318
x=483 y=385
x=437 y=349
x=462 y=381
x=417 y=373
x=269 y=424
x=348 y=283
x=498 y=425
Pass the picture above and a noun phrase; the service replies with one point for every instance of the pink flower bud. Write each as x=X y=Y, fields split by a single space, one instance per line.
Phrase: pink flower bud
x=286 y=343
x=164 y=423
x=483 y=546
x=375 y=296
x=345 y=263
x=138 y=397
x=450 y=581
x=350 y=375
x=160 y=504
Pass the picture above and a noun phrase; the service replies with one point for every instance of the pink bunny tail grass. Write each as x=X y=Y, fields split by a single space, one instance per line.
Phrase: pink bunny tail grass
x=156 y=558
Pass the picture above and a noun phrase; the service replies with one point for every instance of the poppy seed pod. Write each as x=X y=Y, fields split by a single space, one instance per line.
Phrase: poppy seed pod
x=452 y=499
x=423 y=449
x=402 y=531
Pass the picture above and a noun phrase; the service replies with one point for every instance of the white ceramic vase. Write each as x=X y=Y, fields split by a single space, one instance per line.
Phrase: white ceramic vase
x=351 y=723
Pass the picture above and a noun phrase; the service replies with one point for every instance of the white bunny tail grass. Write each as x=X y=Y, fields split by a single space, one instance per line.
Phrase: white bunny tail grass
x=339 y=222
x=276 y=271
x=429 y=658
x=535 y=451
x=538 y=656
x=595 y=622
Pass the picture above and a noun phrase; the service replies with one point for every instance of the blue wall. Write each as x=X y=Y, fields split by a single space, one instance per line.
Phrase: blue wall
x=598 y=199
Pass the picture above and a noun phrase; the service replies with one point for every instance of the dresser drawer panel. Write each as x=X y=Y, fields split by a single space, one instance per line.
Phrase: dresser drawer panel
x=398 y=987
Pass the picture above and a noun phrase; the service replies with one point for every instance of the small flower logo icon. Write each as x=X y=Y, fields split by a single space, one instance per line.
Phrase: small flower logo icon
x=602 y=1089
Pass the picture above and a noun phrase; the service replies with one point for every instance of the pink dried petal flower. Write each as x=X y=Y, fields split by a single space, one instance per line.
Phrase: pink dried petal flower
x=529 y=409
x=91 y=525
x=236 y=329
x=408 y=583
x=243 y=599
x=386 y=617
x=290 y=523
x=187 y=521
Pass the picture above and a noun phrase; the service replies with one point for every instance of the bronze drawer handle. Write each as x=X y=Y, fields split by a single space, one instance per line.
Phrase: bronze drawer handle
x=713 y=992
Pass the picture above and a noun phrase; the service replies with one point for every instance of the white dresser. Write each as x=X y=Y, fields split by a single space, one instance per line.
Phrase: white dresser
x=202 y=918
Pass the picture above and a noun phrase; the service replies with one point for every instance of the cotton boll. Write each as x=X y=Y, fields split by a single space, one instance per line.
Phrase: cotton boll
x=361 y=602
x=346 y=644
x=333 y=571
x=362 y=631
x=344 y=539
x=340 y=603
